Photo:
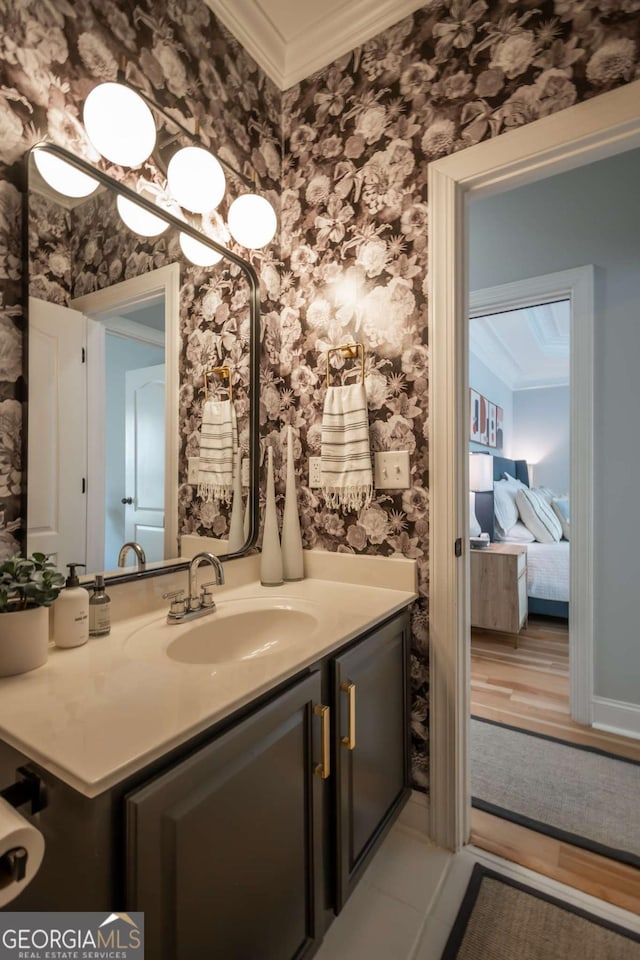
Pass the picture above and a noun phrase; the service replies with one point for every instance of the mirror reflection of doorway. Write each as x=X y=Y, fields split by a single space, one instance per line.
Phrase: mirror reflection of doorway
x=134 y=395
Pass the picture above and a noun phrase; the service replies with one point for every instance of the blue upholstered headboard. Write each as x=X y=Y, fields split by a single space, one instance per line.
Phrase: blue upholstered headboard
x=484 y=501
x=516 y=468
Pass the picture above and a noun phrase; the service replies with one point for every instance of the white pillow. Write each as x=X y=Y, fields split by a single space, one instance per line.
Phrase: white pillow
x=538 y=516
x=546 y=492
x=560 y=506
x=504 y=505
x=510 y=479
x=517 y=534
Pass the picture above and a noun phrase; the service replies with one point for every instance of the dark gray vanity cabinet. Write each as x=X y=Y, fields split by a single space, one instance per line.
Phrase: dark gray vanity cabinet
x=371 y=746
x=224 y=850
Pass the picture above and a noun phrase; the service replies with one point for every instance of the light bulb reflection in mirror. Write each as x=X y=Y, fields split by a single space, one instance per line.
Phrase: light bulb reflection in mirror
x=252 y=221
x=196 y=179
x=199 y=253
x=139 y=220
x=64 y=178
x=119 y=124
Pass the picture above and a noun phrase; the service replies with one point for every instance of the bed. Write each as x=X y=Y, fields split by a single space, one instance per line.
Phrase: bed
x=547 y=563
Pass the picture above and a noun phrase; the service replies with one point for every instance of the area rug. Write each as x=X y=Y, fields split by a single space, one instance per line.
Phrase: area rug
x=578 y=794
x=501 y=919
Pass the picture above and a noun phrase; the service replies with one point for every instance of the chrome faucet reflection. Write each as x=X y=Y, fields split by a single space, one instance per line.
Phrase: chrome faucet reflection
x=191 y=607
x=137 y=549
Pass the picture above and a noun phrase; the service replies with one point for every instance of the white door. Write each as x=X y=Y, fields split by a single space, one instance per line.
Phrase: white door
x=57 y=461
x=144 y=464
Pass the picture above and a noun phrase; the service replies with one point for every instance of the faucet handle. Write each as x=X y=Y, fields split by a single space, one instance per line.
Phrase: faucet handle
x=178 y=602
x=206 y=595
x=172 y=594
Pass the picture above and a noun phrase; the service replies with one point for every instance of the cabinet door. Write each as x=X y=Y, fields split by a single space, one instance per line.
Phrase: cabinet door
x=372 y=746
x=223 y=851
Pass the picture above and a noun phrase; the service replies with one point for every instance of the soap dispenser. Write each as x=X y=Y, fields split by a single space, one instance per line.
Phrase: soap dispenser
x=71 y=612
x=99 y=609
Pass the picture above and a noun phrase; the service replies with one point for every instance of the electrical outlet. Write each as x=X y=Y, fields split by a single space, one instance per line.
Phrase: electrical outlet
x=392 y=470
x=245 y=472
x=193 y=469
x=315 y=472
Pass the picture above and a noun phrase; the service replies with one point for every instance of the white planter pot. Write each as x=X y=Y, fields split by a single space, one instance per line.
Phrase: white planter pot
x=24 y=640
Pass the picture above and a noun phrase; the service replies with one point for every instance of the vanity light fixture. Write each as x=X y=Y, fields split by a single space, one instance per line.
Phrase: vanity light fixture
x=62 y=176
x=121 y=126
x=139 y=220
x=196 y=179
x=198 y=253
x=252 y=221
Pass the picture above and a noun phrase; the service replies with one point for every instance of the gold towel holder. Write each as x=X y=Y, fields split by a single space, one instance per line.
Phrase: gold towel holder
x=348 y=351
x=218 y=372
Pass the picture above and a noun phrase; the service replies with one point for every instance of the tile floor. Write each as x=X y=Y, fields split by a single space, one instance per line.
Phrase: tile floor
x=406 y=902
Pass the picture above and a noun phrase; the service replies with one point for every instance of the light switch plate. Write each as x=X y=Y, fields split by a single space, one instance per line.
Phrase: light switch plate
x=315 y=473
x=192 y=469
x=245 y=472
x=392 y=471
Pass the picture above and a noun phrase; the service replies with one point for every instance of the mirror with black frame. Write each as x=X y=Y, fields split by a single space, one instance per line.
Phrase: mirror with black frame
x=137 y=329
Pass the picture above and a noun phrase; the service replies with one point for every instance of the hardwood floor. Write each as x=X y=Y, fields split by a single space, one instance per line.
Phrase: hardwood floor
x=528 y=687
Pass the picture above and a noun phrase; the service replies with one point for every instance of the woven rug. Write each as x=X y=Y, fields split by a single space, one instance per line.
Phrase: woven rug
x=501 y=919
x=578 y=794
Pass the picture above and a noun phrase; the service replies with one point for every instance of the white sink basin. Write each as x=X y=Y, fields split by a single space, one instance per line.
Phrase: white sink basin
x=237 y=631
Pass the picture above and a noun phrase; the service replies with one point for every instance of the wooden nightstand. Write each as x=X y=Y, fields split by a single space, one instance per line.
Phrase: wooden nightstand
x=499 y=587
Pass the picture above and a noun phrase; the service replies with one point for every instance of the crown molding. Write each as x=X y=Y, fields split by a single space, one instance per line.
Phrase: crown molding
x=325 y=39
x=251 y=27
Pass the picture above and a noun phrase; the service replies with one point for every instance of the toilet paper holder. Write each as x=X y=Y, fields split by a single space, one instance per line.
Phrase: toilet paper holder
x=28 y=789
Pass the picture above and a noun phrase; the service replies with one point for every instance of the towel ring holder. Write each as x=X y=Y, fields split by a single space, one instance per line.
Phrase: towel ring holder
x=349 y=351
x=221 y=372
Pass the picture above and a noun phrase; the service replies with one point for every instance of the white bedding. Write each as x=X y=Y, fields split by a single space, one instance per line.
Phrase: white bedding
x=548 y=570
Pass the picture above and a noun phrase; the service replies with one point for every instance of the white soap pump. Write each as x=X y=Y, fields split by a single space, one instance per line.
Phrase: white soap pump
x=71 y=612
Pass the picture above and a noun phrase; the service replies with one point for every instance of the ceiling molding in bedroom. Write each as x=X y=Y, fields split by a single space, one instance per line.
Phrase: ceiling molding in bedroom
x=526 y=348
x=290 y=40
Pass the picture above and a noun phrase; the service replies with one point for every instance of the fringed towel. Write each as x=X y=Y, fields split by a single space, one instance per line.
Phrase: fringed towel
x=346 y=475
x=218 y=448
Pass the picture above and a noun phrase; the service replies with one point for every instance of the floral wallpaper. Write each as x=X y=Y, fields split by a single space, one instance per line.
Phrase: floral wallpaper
x=353 y=192
x=51 y=56
x=359 y=136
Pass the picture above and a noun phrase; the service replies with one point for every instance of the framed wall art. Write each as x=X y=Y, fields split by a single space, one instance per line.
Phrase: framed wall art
x=474 y=417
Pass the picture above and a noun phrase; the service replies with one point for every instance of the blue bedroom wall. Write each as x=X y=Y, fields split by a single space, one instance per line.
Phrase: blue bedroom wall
x=541 y=435
x=590 y=216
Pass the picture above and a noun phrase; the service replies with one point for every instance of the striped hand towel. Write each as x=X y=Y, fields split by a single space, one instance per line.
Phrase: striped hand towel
x=346 y=475
x=218 y=447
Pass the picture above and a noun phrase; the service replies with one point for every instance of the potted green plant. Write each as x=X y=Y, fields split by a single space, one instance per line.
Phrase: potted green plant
x=28 y=586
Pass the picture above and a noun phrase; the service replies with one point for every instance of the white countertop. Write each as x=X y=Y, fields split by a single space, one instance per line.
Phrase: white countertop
x=94 y=715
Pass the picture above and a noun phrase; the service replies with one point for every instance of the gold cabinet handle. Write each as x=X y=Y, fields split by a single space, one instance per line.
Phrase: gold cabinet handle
x=350 y=740
x=323 y=769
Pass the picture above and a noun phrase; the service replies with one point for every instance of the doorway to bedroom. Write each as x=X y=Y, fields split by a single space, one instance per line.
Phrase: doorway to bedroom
x=543 y=776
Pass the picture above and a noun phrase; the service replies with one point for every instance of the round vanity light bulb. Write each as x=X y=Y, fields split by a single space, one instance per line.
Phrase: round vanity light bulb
x=252 y=221
x=140 y=220
x=196 y=179
x=119 y=124
x=62 y=176
x=198 y=253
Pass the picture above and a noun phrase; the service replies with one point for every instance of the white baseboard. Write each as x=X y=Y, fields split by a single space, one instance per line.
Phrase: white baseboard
x=615 y=716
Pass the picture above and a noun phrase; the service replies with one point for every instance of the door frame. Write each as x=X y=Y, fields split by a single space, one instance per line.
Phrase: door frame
x=598 y=128
x=578 y=286
x=165 y=282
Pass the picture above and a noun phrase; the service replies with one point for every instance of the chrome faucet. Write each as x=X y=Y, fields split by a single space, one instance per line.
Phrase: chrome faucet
x=189 y=608
x=137 y=549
